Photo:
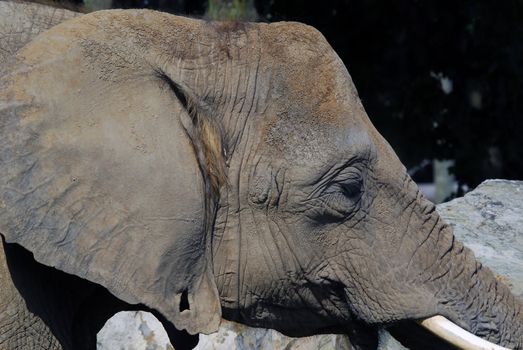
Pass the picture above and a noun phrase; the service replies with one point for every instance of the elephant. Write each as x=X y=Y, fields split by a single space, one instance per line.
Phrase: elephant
x=209 y=170
x=20 y=22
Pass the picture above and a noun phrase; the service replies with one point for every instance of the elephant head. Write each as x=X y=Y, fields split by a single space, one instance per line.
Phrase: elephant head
x=205 y=168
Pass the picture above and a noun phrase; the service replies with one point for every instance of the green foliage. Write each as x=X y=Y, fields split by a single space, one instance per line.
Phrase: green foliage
x=231 y=10
x=95 y=5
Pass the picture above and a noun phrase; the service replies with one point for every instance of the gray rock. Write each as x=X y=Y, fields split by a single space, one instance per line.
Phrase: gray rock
x=489 y=220
x=133 y=330
x=233 y=336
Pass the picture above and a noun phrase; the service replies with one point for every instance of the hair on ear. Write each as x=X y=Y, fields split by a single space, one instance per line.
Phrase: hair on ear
x=206 y=136
x=173 y=86
x=211 y=137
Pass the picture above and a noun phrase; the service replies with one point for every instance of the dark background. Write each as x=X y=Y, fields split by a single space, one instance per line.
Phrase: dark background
x=399 y=52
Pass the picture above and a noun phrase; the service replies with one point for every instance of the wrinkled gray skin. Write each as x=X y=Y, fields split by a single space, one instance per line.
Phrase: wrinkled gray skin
x=21 y=22
x=36 y=310
x=22 y=328
x=104 y=174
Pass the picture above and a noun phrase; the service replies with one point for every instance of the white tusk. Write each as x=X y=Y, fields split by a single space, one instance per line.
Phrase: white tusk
x=456 y=335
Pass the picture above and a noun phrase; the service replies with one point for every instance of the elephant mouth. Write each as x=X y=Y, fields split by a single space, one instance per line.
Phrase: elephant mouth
x=455 y=335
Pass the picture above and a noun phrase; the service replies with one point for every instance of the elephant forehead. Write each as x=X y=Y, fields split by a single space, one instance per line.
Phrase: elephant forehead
x=307 y=121
x=317 y=143
x=307 y=76
x=319 y=96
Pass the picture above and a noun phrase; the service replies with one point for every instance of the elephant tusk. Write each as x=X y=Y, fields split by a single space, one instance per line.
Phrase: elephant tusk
x=455 y=335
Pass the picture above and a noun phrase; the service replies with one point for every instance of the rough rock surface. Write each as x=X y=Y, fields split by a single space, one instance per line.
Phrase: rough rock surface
x=232 y=336
x=489 y=220
x=133 y=330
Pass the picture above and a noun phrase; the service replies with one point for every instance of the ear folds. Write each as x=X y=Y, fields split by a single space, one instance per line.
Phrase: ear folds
x=100 y=178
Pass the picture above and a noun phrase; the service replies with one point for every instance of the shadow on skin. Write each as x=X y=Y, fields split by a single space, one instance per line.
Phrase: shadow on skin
x=73 y=308
x=413 y=336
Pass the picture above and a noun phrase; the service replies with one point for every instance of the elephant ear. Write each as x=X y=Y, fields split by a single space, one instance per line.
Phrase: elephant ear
x=100 y=174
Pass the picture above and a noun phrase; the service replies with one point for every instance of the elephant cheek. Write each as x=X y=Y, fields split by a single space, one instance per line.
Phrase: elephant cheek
x=389 y=255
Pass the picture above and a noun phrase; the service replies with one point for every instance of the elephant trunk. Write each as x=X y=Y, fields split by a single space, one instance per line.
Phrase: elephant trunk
x=469 y=295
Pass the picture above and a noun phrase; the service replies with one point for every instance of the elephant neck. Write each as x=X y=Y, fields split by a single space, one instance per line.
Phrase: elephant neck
x=228 y=255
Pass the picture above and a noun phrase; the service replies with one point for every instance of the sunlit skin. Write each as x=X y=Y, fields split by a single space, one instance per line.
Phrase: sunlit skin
x=237 y=161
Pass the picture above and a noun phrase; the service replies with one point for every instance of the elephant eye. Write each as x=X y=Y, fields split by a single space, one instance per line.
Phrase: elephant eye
x=351 y=190
x=342 y=197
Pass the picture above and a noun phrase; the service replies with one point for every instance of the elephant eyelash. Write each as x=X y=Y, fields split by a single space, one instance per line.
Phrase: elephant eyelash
x=348 y=175
x=345 y=180
x=342 y=204
x=341 y=198
x=351 y=169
